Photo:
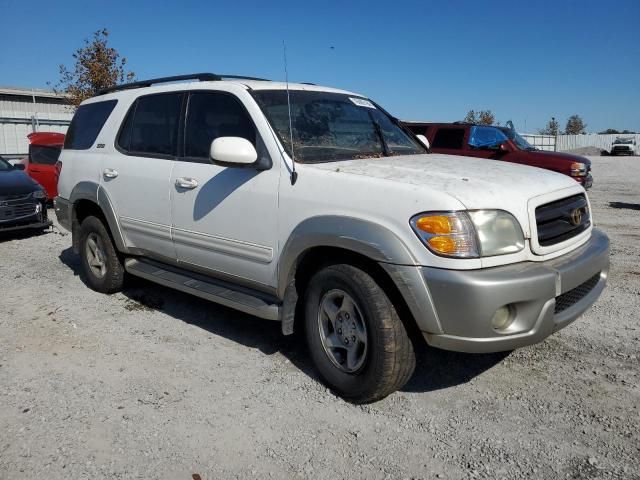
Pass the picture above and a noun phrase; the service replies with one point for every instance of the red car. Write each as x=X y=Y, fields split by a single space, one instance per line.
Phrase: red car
x=44 y=150
x=499 y=143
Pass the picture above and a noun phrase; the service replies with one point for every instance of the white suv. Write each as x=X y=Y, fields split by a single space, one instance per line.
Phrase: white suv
x=314 y=207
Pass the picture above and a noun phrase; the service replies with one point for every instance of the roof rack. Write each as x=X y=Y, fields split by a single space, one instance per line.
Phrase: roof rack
x=202 y=77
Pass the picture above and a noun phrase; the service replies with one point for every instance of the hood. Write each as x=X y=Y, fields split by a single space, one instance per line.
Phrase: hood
x=16 y=182
x=566 y=157
x=476 y=183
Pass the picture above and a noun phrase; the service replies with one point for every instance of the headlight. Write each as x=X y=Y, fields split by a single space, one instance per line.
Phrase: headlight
x=472 y=234
x=39 y=194
x=578 y=169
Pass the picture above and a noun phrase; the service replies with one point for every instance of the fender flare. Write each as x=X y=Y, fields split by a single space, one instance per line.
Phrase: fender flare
x=348 y=233
x=367 y=238
x=93 y=192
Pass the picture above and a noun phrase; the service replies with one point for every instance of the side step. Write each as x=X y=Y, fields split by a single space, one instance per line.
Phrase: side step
x=224 y=293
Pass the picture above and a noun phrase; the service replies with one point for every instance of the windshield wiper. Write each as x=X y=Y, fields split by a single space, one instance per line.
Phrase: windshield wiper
x=385 y=148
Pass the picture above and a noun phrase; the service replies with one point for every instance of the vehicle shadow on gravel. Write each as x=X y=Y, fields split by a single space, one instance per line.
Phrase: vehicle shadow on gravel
x=244 y=329
x=625 y=205
x=435 y=369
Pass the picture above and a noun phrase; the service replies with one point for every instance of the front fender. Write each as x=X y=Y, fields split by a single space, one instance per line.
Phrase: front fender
x=370 y=239
x=355 y=234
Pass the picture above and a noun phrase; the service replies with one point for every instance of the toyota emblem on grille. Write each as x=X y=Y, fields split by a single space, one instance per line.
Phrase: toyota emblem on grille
x=576 y=216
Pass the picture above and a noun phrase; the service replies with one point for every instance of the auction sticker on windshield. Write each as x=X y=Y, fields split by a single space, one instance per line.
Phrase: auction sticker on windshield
x=361 y=102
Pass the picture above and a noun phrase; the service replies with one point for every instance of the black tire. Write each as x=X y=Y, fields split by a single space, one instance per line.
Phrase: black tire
x=389 y=361
x=113 y=277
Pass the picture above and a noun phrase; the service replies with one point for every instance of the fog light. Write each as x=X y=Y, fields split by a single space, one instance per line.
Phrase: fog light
x=502 y=318
x=38 y=208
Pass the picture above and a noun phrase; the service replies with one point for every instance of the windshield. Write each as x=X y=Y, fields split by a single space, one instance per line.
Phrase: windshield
x=44 y=155
x=331 y=126
x=4 y=165
x=520 y=142
x=623 y=141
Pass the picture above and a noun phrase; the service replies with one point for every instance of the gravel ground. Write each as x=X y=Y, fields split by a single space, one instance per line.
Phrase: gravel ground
x=153 y=383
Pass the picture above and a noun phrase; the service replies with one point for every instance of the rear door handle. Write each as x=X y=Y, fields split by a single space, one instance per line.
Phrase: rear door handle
x=110 y=173
x=188 y=183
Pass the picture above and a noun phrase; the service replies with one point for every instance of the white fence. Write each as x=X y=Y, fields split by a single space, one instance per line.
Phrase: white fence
x=562 y=143
x=570 y=142
x=541 y=142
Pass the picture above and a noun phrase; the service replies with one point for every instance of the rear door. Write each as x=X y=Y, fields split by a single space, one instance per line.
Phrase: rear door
x=224 y=218
x=136 y=173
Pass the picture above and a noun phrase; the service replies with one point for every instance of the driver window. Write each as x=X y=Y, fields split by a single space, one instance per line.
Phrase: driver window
x=211 y=115
x=483 y=137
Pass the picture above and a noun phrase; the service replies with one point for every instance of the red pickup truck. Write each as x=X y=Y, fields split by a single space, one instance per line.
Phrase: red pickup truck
x=499 y=143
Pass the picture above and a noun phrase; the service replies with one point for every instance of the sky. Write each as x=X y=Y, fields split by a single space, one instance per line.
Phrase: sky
x=421 y=60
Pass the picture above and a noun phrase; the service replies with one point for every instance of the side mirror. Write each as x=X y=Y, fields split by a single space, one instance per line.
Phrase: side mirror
x=504 y=147
x=19 y=166
x=233 y=152
x=424 y=140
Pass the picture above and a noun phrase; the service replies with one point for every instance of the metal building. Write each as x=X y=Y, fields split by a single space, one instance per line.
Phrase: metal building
x=23 y=111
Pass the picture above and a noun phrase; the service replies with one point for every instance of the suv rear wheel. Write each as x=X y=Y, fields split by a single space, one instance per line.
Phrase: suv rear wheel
x=102 y=268
x=357 y=342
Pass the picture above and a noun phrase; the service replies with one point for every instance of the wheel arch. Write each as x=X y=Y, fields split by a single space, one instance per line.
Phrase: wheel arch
x=321 y=241
x=89 y=198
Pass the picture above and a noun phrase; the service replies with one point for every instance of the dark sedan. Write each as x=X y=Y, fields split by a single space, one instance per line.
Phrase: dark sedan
x=22 y=200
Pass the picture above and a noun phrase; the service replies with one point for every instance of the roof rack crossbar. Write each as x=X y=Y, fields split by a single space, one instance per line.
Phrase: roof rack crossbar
x=203 y=77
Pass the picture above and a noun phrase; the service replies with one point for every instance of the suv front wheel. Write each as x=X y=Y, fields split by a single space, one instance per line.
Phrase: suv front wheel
x=357 y=342
x=102 y=268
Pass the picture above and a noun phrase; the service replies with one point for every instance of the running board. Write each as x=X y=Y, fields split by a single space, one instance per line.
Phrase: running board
x=224 y=293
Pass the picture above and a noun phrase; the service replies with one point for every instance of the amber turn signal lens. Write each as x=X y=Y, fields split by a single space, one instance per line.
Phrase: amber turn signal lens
x=445 y=245
x=436 y=224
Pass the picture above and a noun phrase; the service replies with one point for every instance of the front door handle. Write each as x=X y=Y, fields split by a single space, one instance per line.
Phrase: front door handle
x=110 y=173
x=184 y=182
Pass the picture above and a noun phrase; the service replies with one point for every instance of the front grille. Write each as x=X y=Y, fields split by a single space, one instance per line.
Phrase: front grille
x=562 y=219
x=14 y=212
x=13 y=198
x=570 y=298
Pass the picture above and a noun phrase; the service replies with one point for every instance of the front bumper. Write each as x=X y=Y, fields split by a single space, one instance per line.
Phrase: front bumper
x=544 y=297
x=24 y=215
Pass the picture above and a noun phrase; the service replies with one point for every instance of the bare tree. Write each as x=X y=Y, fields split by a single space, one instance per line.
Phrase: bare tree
x=481 y=117
x=97 y=66
x=575 y=126
x=552 y=128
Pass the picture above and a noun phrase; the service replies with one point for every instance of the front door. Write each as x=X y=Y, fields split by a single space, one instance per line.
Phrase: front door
x=136 y=173
x=224 y=218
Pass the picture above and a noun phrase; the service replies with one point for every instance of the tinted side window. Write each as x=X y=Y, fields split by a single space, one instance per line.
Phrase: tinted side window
x=482 y=137
x=87 y=123
x=43 y=155
x=211 y=115
x=449 y=138
x=152 y=125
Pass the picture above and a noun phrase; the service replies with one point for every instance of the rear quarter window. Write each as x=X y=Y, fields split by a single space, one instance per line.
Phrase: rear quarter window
x=87 y=123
